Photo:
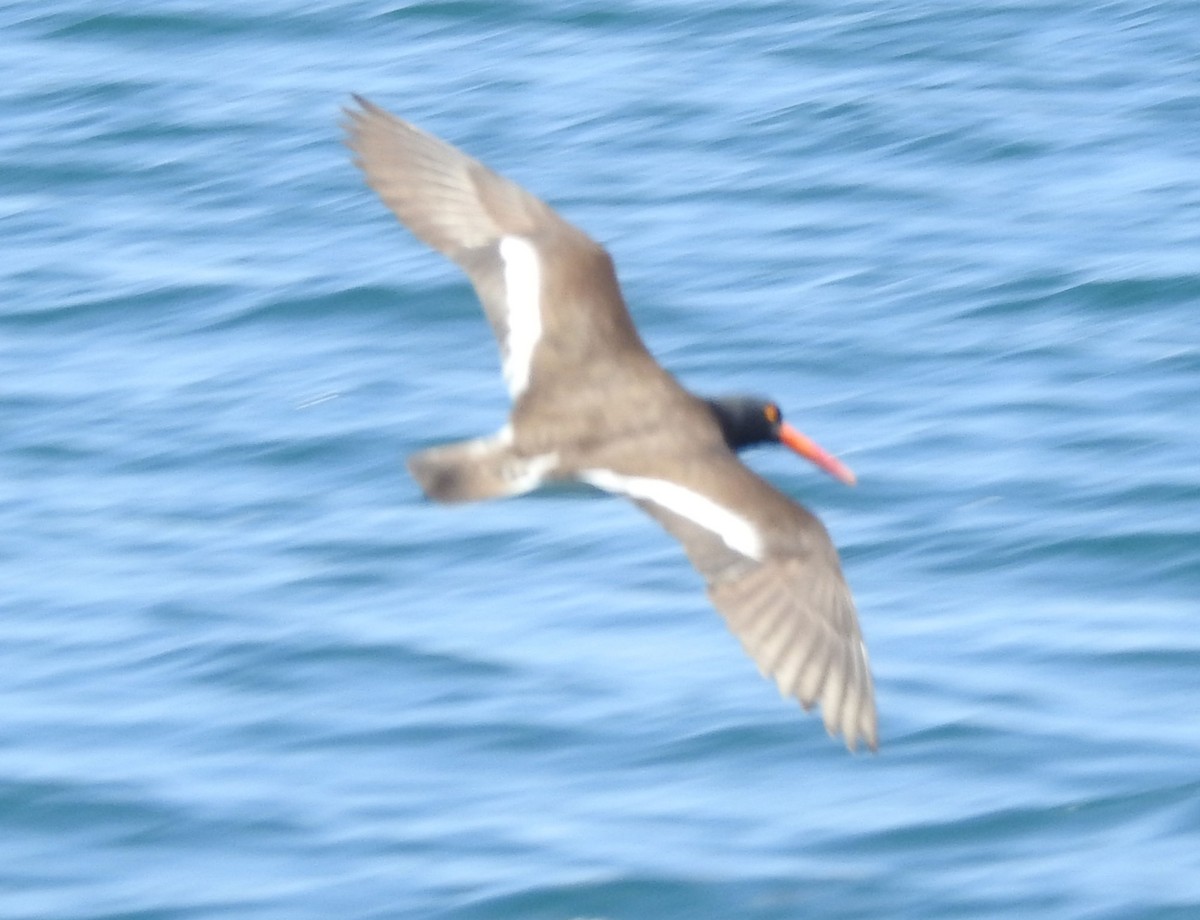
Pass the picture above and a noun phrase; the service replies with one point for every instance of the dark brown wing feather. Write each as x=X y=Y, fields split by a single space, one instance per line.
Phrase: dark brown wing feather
x=449 y=200
x=463 y=209
x=792 y=609
x=797 y=622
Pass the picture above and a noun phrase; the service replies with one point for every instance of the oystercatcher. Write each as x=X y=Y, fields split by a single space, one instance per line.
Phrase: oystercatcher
x=590 y=404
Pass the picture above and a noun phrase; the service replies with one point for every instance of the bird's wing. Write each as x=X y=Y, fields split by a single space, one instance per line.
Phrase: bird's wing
x=549 y=291
x=773 y=573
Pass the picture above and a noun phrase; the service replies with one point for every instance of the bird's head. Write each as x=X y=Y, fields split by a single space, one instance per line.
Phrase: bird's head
x=749 y=420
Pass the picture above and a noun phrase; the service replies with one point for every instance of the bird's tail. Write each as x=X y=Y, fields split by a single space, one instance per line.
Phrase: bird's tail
x=476 y=470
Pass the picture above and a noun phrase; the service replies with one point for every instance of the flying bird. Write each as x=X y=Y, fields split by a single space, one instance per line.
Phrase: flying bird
x=590 y=404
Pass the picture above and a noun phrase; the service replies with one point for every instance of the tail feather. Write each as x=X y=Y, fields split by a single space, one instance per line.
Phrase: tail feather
x=477 y=470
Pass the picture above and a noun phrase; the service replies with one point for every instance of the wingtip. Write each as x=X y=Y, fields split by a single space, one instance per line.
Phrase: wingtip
x=354 y=121
x=353 y=117
x=870 y=736
x=870 y=742
x=864 y=730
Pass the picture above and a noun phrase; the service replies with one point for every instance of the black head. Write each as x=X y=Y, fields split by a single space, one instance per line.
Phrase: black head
x=749 y=420
x=746 y=420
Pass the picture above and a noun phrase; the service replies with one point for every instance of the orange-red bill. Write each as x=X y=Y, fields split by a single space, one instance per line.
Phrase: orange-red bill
x=807 y=448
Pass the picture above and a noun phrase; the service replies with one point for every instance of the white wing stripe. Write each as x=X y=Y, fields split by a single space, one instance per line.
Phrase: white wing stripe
x=737 y=532
x=522 y=297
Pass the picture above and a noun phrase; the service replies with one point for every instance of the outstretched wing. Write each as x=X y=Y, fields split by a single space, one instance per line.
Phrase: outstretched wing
x=549 y=291
x=773 y=573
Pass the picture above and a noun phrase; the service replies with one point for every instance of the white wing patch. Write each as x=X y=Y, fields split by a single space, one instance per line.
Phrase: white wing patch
x=737 y=532
x=522 y=296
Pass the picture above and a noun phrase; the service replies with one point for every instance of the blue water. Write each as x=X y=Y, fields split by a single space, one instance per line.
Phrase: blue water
x=246 y=672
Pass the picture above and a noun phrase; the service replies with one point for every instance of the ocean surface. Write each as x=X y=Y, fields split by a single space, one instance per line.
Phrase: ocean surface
x=247 y=672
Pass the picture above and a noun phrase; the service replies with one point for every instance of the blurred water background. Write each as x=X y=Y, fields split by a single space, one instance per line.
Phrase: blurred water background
x=246 y=672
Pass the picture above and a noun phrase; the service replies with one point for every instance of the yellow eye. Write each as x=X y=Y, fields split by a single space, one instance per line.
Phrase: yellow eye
x=772 y=413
